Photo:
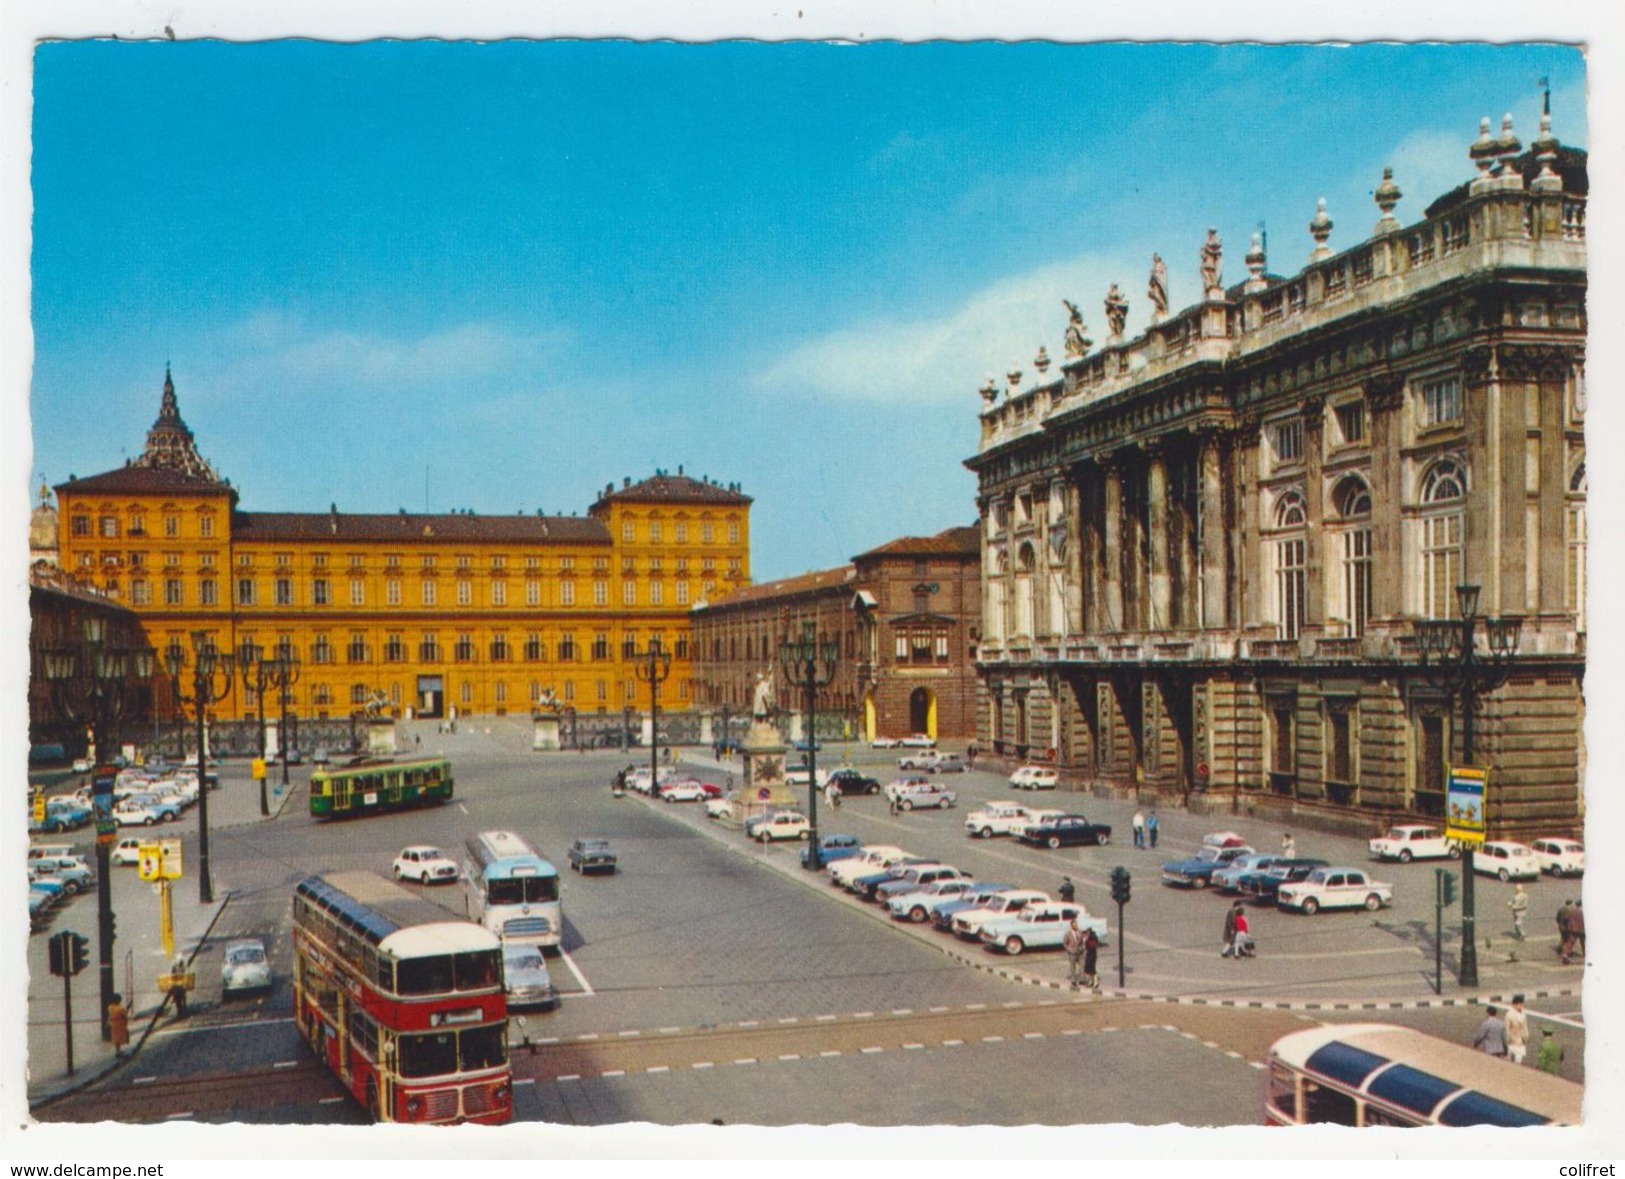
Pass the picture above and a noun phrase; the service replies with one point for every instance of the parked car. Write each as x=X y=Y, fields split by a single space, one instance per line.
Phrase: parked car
x=918 y=741
x=525 y=977
x=1035 y=778
x=125 y=851
x=781 y=825
x=806 y=746
x=685 y=791
x=916 y=906
x=1507 y=860
x=1227 y=877
x=1335 y=888
x=864 y=885
x=426 y=865
x=1066 y=831
x=64 y=813
x=798 y=775
x=967 y=923
x=915 y=796
x=720 y=808
x=1412 y=843
x=885 y=743
x=998 y=818
x=167 y=809
x=873 y=858
x=1263 y=885
x=907 y=780
x=245 y=967
x=832 y=848
x=39 y=909
x=917 y=761
x=943 y=912
x=132 y=813
x=1224 y=839
x=1560 y=857
x=592 y=855
x=75 y=874
x=849 y=781
x=50 y=851
x=913 y=878
x=1038 y=927
x=1197 y=871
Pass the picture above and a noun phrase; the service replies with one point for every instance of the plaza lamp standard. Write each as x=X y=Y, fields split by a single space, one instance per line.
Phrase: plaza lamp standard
x=94 y=684
x=212 y=675
x=810 y=665
x=283 y=675
x=1450 y=660
x=653 y=667
x=256 y=670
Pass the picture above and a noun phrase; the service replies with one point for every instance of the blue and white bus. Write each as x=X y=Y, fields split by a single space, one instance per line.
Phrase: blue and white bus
x=512 y=890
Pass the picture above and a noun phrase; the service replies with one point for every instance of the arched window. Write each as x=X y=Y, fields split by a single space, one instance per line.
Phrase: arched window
x=1026 y=559
x=1290 y=551
x=1575 y=530
x=1352 y=499
x=1444 y=490
x=1291 y=511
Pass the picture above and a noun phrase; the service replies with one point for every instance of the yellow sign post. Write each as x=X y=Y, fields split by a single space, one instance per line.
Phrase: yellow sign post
x=39 y=806
x=160 y=863
x=257 y=768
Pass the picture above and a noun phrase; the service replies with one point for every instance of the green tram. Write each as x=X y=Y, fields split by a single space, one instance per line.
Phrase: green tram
x=372 y=787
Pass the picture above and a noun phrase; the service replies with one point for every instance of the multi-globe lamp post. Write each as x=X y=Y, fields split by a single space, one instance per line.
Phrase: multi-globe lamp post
x=256 y=670
x=213 y=672
x=653 y=667
x=93 y=683
x=1448 y=650
x=810 y=663
x=283 y=675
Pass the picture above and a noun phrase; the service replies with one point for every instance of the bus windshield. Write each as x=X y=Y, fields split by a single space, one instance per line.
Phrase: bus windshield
x=476 y=971
x=434 y=1054
x=522 y=890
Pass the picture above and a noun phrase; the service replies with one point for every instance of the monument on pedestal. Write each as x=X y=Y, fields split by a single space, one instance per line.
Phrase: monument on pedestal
x=764 y=789
x=545 y=721
x=380 y=727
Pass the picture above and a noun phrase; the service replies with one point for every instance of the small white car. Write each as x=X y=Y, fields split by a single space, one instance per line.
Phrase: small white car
x=125 y=851
x=782 y=825
x=689 y=790
x=1506 y=860
x=1035 y=778
x=1335 y=888
x=884 y=743
x=968 y=924
x=245 y=966
x=1560 y=857
x=797 y=776
x=426 y=865
x=918 y=741
x=874 y=858
x=81 y=765
x=918 y=761
x=1412 y=843
x=998 y=818
x=915 y=796
x=524 y=974
x=131 y=813
x=906 y=782
x=719 y=808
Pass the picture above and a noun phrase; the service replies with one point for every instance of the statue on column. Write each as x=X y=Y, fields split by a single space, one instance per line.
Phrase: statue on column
x=1077 y=344
x=1157 y=291
x=1116 y=311
x=762 y=704
x=1212 y=256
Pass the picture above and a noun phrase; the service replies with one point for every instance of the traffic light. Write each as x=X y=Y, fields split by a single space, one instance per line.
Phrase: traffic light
x=79 y=952
x=1120 y=885
x=1447 y=887
x=59 y=965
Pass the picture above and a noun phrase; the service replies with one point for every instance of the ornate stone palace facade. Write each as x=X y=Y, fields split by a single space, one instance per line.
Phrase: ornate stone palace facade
x=1205 y=548
x=905 y=617
x=442 y=612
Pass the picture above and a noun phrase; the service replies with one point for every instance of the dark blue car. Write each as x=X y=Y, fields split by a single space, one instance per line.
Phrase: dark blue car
x=865 y=886
x=1197 y=872
x=832 y=848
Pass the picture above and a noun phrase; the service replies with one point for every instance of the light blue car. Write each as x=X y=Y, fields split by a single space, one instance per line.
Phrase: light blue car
x=167 y=810
x=916 y=906
x=1038 y=927
x=1228 y=878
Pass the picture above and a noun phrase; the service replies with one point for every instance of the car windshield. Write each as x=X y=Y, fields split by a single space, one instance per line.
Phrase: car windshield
x=523 y=960
x=1399 y=834
x=522 y=890
x=1208 y=854
x=245 y=955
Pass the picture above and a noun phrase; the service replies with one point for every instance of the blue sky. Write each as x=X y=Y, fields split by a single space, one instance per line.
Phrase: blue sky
x=508 y=274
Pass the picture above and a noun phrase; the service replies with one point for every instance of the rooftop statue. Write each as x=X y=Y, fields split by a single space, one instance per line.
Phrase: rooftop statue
x=1116 y=311
x=1212 y=257
x=1157 y=291
x=1077 y=344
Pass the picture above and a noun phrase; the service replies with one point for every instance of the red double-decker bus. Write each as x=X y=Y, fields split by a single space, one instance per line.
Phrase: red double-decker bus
x=402 y=1000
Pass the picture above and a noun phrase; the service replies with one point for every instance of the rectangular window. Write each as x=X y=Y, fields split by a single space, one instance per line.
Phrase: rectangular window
x=682 y=593
x=464 y=561
x=942 y=648
x=172 y=526
x=567 y=563
x=1290 y=586
x=600 y=593
x=245 y=560
x=428 y=650
x=245 y=591
x=467 y=692
x=499 y=593
x=465 y=592
x=600 y=646
x=428 y=561
x=204 y=561
x=629 y=593
x=321 y=651
x=1350 y=422
x=464 y=650
x=284 y=560
x=1288 y=440
x=567 y=593
x=499 y=649
x=358 y=592
x=533 y=648
x=1576 y=566
x=318 y=592
x=708 y=564
x=109 y=526
x=603 y=687
x=392 y=591
x=358 y=694
x=499 y=562
x=733 y=566
x=1357 y=580
x=140 y=593
x=358 y=649
x=427 y=593
x=682 y=533
x=1441 y=401
x=357 y=561
x=533 y=593
x=627 y=530
x=567 y=649
x=569 y=690
x=208 y=591
x=1441 y=564
x=733 y=532
x=654 y=532
x=284 y=591
x=707 y=534
x=656 y=594
x=1339 y=760
x=392 y=560
x=502 y=692
x=902 y=649
x=205 y=525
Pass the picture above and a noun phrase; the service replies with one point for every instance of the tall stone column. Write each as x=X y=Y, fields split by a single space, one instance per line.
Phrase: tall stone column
x=1186 y=563
x=1244 y=537
x=1157 y=521
x=1480 y=405
x=1214 y=533
x=1075 y=588
x=1384 y=394
x=1314 y=425
x=1112 y=544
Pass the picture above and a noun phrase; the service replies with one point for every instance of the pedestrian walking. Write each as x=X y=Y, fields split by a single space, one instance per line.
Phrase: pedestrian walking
x=832 y=795
x=1491 y=1036
x=1517 y=1031
x=893 y=806
x=1067 y=890
x=1244 y=938
x=1289 y=847
x=1229 y=931
x=1565 y=932
x=970 y=757
x=1072 y=943
x=1091 y=950
x=1519 y=904
x=1577 y=923
x=417 y=740
x=1550 y=1057
x=1139 y=829
x=1151 y=828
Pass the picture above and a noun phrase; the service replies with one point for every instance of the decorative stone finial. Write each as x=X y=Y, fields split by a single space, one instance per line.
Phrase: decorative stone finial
x=1014 y=377
x=1255 y=261
x=1116 y=312
x=989 y=392
x=1546 y=152
x=1387 y=196
x=1041 y=361
x=1483 y=150
x=1212 y=260
x=1077 y=344
x=1320 y=228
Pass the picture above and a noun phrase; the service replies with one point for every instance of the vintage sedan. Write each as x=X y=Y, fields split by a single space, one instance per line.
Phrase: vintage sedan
x=967 y=923
x=525 y=977
x=998 y=818
x=1335 y=888
x=76 y=875
x=426 y=865
x=864 y=884
x=1035 y=778
x=132 y=813
x=684 y=790
x=1412 y=843
x=1262 y=886
x=1227 y=877
x=245 y=966
x=65 y=813
x=720 y=808
x=849 y=781
x=1560 y=857
x=780 y=825
x=916 y=906
x=1038 y=927
x=918 y=741
x=1066 y=831
x=591 y=855
x=1506 y=860
x=1197 y=871
x=913 y=878
x=832 y=848
x=872 y=858
x=126 y=851
x=916 y=795
x=943 y=912
x=885 y=743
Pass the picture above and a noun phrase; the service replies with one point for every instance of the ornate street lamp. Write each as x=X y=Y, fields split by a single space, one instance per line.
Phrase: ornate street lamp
x=212 y=675
x=283 y=675
x=810 y=664
x=653 y=667
x=93 y=684
x=1448 y=650
x=256 y=671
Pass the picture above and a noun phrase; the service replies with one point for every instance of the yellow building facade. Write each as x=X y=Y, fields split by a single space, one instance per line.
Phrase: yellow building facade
x=432 y=614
